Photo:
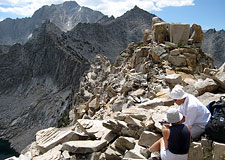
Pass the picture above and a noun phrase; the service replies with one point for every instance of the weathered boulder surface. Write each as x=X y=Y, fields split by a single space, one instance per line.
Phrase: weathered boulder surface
x=179 y=33
x=84 y=146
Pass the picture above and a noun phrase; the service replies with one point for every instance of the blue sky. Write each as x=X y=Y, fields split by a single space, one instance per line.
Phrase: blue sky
x=207 y=13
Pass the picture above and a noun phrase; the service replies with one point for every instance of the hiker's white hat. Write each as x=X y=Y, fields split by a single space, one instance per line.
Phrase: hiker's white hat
x=178 y=93
x=174 y=116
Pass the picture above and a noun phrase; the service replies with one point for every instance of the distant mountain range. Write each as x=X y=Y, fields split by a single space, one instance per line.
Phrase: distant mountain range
x=93 y=26
x=65 y=16
x=40 y=77
x=214 y=43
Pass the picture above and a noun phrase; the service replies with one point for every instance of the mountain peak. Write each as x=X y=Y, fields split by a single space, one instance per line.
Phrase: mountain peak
x=70 y=5
x=136 y=11
x=136 y=8
x=66 y=3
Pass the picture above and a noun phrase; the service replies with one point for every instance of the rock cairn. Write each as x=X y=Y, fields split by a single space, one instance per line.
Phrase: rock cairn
x=118 y=107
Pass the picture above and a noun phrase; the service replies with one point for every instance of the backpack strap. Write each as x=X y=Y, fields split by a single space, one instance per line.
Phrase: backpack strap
x=210 y=107
x=215 y=106
x=218 y=105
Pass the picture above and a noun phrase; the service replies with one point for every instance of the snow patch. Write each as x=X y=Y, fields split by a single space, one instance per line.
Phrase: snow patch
x=29 y=36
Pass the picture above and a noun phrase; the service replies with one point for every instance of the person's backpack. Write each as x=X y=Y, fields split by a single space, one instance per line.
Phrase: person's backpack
x=215 y=128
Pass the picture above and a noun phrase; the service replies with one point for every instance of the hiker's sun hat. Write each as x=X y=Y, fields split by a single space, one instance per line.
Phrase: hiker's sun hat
x=178 y=93
x=173 y=115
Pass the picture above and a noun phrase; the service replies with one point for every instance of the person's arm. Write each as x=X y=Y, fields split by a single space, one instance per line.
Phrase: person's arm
x=189 y=129
x=166 y=134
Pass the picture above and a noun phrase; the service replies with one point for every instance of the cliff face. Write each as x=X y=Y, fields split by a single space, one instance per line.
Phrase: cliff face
x=37 y=84
x=65 y=16
x=214 y=43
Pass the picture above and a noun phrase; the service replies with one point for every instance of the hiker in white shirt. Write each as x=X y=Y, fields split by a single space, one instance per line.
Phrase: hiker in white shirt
x=196 y=115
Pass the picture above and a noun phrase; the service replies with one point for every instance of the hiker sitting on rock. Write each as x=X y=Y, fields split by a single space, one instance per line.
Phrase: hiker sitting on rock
x=196 y=115
x=176 y=138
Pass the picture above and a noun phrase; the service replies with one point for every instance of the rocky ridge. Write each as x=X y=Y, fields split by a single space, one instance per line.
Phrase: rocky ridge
x=45 y=73
x=38 y=82
x=111 y=37
x=118 y=107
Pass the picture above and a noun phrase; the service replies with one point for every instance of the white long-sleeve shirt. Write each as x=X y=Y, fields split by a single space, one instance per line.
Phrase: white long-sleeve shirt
x=194 y=111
